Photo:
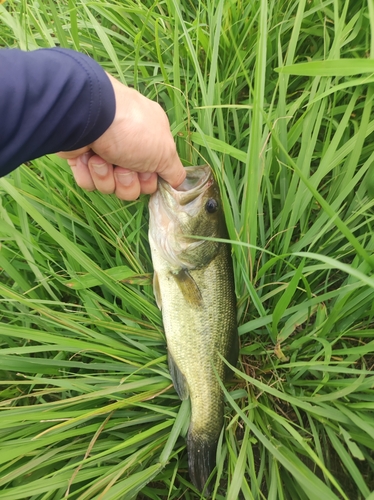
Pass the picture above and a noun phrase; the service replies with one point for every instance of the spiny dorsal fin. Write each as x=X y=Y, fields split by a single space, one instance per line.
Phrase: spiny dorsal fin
x=232 y=355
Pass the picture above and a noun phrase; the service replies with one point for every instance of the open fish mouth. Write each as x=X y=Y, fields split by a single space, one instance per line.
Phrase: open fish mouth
x=197 y=180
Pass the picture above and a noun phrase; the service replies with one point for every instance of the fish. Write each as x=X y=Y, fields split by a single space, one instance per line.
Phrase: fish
x=194 y=288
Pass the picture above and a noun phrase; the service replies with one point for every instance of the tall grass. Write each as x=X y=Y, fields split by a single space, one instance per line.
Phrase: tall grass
x=278 y=98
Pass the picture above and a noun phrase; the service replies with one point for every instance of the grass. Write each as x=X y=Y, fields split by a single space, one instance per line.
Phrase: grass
x=278 y=98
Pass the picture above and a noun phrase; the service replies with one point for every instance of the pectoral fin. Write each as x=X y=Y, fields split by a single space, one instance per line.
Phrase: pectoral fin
x=156 y=290
x=189 y=288
x=178 y=378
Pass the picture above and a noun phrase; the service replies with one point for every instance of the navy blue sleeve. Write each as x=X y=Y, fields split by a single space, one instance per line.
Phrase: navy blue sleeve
x=50 y=100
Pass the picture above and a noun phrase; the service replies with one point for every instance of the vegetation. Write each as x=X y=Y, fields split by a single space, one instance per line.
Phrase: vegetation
x=278 y=98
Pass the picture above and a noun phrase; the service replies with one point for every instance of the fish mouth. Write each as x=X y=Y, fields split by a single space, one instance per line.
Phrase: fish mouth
x=197 y=180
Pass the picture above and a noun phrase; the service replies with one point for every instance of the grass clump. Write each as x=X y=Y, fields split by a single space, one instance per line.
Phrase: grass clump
x=278 y=98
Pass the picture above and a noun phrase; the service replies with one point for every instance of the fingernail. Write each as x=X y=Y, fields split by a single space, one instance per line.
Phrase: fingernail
x=126 y=179
x=146 y=176
x=100 y=168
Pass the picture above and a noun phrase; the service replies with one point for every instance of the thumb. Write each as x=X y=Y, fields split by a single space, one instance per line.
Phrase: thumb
x=73 y=154
x=174 y=172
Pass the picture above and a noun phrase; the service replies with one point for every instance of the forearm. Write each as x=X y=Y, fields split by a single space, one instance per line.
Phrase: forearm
x=51 y=100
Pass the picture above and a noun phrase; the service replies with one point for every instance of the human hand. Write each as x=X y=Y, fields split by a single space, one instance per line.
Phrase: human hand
x=130 y=154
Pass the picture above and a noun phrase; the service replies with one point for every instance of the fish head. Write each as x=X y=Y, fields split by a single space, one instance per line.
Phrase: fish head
x=178 y=216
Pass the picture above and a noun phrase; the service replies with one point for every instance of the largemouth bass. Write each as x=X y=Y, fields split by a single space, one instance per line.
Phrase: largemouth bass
x=194 y=288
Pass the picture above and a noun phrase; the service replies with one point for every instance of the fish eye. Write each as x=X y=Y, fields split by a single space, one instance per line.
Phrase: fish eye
x=211 y=206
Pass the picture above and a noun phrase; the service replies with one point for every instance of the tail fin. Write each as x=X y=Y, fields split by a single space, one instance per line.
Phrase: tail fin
x=201 y=458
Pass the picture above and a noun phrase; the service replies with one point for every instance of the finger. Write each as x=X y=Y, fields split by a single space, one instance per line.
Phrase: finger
x=102 y=174
x=127 y=184
x=81 y=172
x=73 y=154
x=148 y=182
x=172 y=171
